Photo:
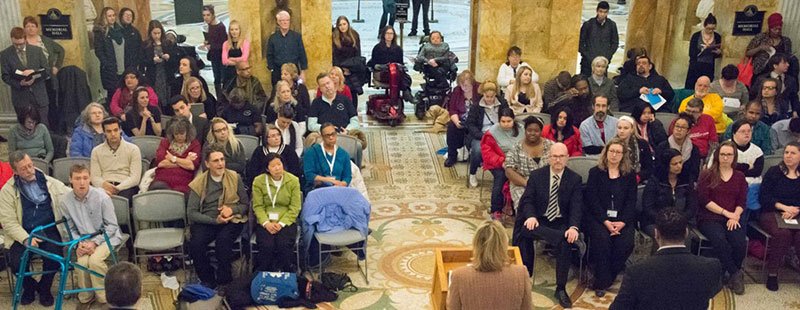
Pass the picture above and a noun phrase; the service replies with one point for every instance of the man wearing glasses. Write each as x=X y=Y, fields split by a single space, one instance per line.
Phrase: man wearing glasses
x=550 y=210
x=704 y=132
x=249 y=85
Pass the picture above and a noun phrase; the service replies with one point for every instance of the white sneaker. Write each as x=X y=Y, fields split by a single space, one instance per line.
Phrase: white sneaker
x=473 y=180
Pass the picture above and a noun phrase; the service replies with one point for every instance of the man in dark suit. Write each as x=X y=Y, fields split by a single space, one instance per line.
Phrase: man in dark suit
x=672 y=278
x=21 y=60
x=179 y=106
x=550 y=210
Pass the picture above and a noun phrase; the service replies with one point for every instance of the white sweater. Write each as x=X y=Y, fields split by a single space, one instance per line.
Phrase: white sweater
x=506 y=74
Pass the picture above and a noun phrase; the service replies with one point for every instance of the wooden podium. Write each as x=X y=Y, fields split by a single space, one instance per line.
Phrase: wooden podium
x=448 y=259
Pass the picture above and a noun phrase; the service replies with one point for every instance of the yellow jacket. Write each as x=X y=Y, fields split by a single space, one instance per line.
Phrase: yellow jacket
x=712 y=106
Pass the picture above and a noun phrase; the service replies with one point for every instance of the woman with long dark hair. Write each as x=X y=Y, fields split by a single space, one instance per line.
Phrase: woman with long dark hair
x=704 y=47
x=561 y=129
x=668 y=187
x=780 y=198
x=133 y=38
x=142 y=119
x=722 y=192
x=649 y=127
x=160 y=60
x=495 y=143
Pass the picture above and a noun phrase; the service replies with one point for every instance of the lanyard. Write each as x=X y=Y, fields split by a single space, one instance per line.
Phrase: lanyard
x=333 y=159
x=269 y=191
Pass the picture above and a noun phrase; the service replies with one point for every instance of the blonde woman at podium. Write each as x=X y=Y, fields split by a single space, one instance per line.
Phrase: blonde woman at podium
x=490 y=281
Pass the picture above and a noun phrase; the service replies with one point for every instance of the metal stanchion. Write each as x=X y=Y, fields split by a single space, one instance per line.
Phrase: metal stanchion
x=358 y=14
x=433 y=19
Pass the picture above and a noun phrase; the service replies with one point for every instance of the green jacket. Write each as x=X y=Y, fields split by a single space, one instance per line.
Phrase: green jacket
x=11 y=209
x=287 y=203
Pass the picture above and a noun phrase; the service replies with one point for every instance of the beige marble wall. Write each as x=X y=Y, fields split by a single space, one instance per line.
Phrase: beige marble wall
x=733 y=47
x=546 y=31
x=316 y=29
x=78 y=51
x=491 y=37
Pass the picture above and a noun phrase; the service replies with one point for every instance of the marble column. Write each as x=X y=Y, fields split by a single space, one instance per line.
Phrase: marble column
x=315 y=25
x=256 y=17
x=546 y=31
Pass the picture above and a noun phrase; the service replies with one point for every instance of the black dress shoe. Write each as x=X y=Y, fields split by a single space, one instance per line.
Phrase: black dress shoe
x=599 y=293
x=28 y=296
x=563 y=299
x=449 y=162
x=46 y=299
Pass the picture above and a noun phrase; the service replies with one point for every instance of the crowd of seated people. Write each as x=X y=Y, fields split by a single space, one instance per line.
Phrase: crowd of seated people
x=715 y=183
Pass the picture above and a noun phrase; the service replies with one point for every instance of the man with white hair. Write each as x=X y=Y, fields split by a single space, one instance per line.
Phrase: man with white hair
x=284 y=46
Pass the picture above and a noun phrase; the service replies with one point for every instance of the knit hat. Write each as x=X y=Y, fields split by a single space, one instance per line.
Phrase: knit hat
x=794 y=125
x=775 y=20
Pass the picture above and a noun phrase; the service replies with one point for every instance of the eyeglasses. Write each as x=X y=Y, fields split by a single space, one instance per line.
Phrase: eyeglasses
x=328 y=135
x=769 y=87
x=615 y=152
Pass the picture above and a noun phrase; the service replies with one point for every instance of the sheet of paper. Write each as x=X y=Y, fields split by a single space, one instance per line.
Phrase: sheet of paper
x=790 y=221
x=731 y=102
x=656 y=101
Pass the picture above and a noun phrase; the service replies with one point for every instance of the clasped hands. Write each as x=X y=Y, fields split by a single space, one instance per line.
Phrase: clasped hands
x=733 y=220
x=272 y=228
x=225 y=214
x=790 y=213
x=615 y=228
x=644 y=91
x=86 y=248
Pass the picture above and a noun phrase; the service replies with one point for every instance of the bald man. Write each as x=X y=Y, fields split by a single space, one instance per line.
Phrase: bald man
x=249 y=84
x=550 y=210
x=712 y=104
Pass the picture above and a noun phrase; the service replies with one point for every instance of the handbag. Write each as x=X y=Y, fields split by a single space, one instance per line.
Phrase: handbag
x=746 y=71
x=268 y=287
x=338 y=282
x=164 y=263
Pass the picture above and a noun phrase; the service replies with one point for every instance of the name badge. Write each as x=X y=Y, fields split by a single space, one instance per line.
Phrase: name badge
x=273 y=216
x=611 y=213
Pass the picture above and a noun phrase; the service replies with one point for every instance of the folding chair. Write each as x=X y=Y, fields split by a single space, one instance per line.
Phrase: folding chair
x=62 y=166
x=666 y=118
x=41 y=164
x=352 y=146
x=542 y=116
x=159 y=206
x=165 y=119
x=771 y=160
x=145 y=165
x=122 y=210
x=701 y=239
x=148 y=145
x=337 y=241
x=581 y=165
x=249 y=144
x=757 y=228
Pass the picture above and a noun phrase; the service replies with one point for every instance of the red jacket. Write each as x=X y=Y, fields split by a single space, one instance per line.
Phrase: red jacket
x=493 y=156
x=574 y=144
